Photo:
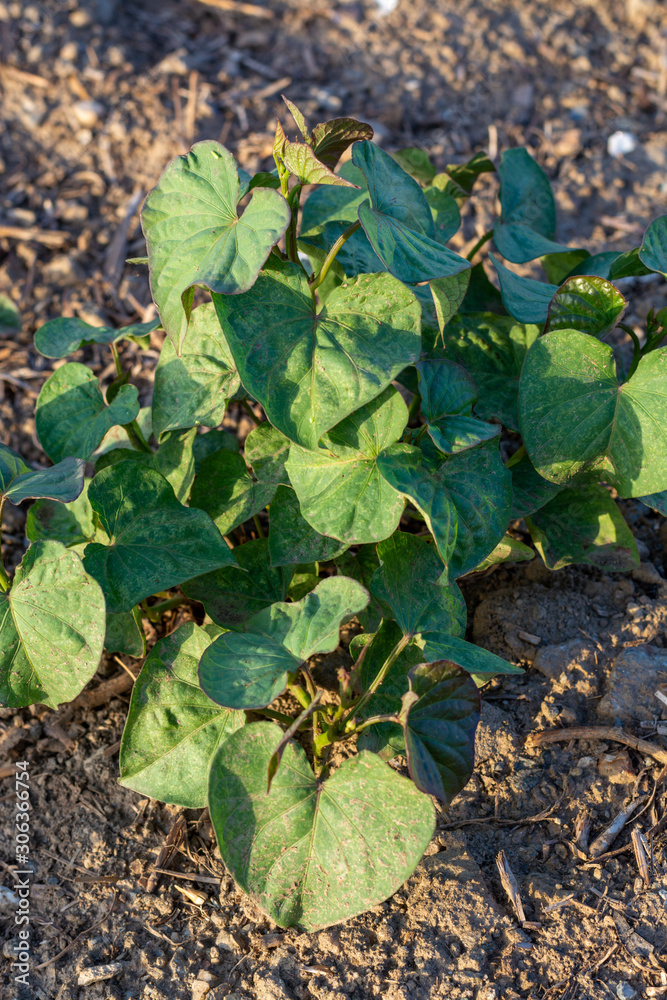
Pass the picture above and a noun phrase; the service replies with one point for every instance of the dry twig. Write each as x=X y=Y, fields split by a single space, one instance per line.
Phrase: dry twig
x=597 y=733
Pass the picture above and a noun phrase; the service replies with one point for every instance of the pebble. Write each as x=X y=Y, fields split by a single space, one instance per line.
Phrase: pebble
x=79 y=18
x=625 y=992
x=634 y=678
x=621 y=143
x=69 y=52
x=88 y=113
x=97 y=973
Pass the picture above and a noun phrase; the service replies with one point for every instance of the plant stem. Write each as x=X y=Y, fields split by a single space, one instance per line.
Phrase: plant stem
x=479 y=244
x=249 y=410
x=172 y=602
x=516 y=457
x=636 y=348
x=301 y=696
x=372 y=721
x=290 y=238
x=116 y=359
x=331 y=256
x=258 y=525
x=4 y=579
x=413 y=409
x=278 y=716
x=377 y=681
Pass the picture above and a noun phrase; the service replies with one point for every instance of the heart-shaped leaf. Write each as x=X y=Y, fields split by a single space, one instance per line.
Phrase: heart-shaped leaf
x=19 y=482
x=583 y=525
x=155 y=542
x=71 y=416
x=442 y=712
x=527 y=223
x=576 y=418
x=173 y=730
x=233 y=594
x=314 y=853
x=340 y=489
x=174 y=459
x=310 y=368
x=448 y=395
x=62 y=336
x=195 y=235
x=653 y=251
x=398 y=222
x=590 y=305
x=302 y=161
x=409 y=585
x=195 y=387
x=125 y=634
x=291 y=539
x=226 y=490
x=331 y=139
x=492 y=350
x=525 y=299
x=250 y=669
x=70 y=523
x=267 y=450
x=52 y=626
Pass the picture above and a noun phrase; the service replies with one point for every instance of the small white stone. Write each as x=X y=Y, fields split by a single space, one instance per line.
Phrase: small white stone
x=97 y=973
x=88 y=113
x=621 y=143
x=625 y=992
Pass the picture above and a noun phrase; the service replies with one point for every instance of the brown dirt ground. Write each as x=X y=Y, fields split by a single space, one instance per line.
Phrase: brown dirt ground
x=96 y=97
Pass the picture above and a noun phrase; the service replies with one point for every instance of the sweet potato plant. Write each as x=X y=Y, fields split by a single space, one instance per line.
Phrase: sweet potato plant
x=325 y=318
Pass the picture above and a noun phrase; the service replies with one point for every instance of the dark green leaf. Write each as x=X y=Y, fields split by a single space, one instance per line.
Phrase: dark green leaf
x=340 y=489
x=125 y=634
x=448 y=294
x=482 y=296
x=266 y=449
x=628 y=265
x=440 y=725
x=361 y=565
x=52 y=626
x=525 y=299
x=576 y=418
x=210 y=442
x=291 y=539
x=434 y=646
x=71 y=416
x=332 y=138
x=195 y=387
x=172 y=729
x=656 y=501
x=250 y=669
x=264 y=179
x=155 y=542
x=583 y=525
x=448 y=395
x=527 y=223
x=445 y=212
x=460 y=178
x=595 y=265
x=330 y=204
x=71 y=524
x=559 y=266
x=174 y=459
x=306 y=578
x=653 y=251
x=309 y=369
x=19 y=482
x=356 y=256
x=62 y=336
x=233 y=594
x=590 y=305
x=226 y=490
x=530 y=490
x=195 y=236
x=314 y=853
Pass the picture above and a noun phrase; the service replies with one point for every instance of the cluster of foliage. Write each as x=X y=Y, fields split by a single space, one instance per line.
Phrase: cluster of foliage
x=374 y=508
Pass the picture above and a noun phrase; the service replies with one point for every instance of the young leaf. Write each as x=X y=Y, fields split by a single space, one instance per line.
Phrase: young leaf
x=71 y=416
x=10 y=318
x=250 y=669
x=302 y=161
x=340 y=489
x=19 y=482
x=71 y=523
x=530 y=490
x=195 y=235
x=291 y=539
x=583 y=525
x=226 y=490
x=298 y=118
x=576 y=418
x=653 y=251
x=174 y=459
x=492 y=350
x=525 y=299
x=508 y=549
x=173 y=730
x=195 y=387
x=409 y=585
x=448 y=294
x=267 y=450
x=527 y=224
x=313 y=853
x=310 y=368
x=332 y=138
x=398 y=222
x=460 y=178
x=448 y=395
x=590 y=305
x=155 y=542
x=417 y=163
x=233 y=594
x=441 y=715
x=62 y=336
x=52 y=626
x=125 y=634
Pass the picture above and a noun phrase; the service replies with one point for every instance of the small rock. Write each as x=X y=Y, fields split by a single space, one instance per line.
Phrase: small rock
x=97 y=973
x=647 y=573
x=61 y=270
x=80 y=18
x=69 y=52
x=200 y=989
x=621 y=143
x=625 y=992
x=552 y=661
x=635 y=676
x=87 y=113
x=617 y=767
x=174 y=63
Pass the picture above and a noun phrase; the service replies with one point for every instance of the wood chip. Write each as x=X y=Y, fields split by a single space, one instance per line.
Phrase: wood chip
x=534 y=640
x=175 y=838
x=611 y=832
x=249 y=9
x=510 y=885
x=640 y=856
x=47 y=237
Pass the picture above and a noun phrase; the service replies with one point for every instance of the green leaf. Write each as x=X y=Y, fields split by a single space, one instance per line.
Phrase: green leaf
x=51 y=628
x=460 y=178
x=155 y=542
x=656 y=501
x=306 y=578
x=527 y=300
x=492 y=350
x=263 y=178
x=314 y=853
x=125 y=634
x=267 y=450
x=210 y=442
x=226 y=490
x=448 y=294
x=440 y=724
x=595 y=265
x=530 y=490
x=409 y=585
x=174 y=459
x=340 y=489
x=590 y=305
x=361 y=565
x=298 y=118
x=583 y=525
x=576 y=418
x=195 y=387
x=445 y=212
x=62 y=336
x=466 y=499
x=527 y=223
x=330 y=204
x=417 y=163
x=291 y=539
x=434 y=646
x=398 y=222
x=71 y=416
x=482 y=296
x=310 y=368
x=195 y=236
x=559 y=266
x=332 y=138
x=71 y=523
x=508 y=549
x=356 y=256
x=10 y=318
x=653 y=251
x=448 y=395
x=19 y=482
x=250 y=669
x=233 y=594
x=173 y=730
x=302 y=161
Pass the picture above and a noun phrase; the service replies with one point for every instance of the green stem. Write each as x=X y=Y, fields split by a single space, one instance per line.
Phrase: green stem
x=413 y=409
x=249 y=410
x=133 y=431
x=377 y=681
x=479 y=244
x=331 y=256
x=290 y=238
x=116 y=359
x=301 y=696
x=278 y=716
x=258 y=525
x=173 y=602
x=636 y=348
x=516 y=457
x=373 y=721
x=4 y=579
